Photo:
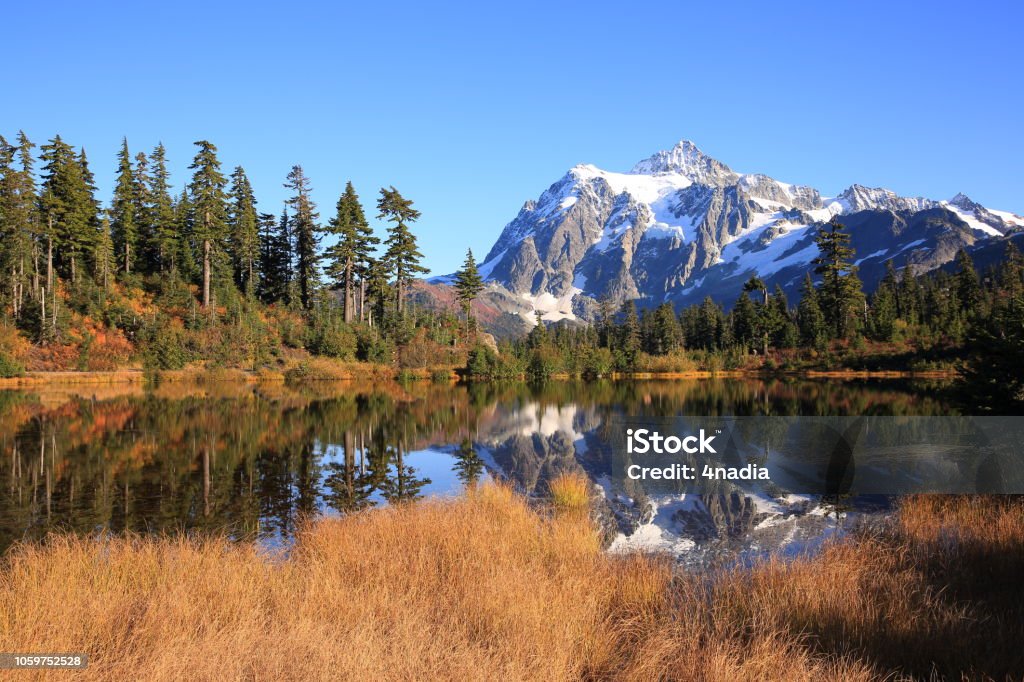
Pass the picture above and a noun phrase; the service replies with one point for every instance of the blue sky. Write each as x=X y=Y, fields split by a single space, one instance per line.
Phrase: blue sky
x=470 y=109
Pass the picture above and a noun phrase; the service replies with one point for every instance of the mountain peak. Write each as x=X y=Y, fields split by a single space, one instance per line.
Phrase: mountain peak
x=685 y=158
x=963 y=201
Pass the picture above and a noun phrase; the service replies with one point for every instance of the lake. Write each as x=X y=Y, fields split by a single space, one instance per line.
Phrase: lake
x=254 y=460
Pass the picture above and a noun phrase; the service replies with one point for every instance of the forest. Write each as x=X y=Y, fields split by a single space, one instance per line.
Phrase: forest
x=198 y=275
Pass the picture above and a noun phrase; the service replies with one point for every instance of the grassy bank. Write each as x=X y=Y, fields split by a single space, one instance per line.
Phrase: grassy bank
x=487 y=588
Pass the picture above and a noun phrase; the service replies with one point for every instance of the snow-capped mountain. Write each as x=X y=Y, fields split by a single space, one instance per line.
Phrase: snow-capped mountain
x=681 y=226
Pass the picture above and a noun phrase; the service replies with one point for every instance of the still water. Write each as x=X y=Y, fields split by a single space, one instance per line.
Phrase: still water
x=253 y=461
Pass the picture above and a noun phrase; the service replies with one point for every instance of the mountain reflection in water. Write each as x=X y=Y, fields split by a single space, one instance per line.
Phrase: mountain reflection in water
x=252 y=461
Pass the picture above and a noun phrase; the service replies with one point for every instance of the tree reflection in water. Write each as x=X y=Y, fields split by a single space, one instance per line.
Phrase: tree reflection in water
x=253 y=461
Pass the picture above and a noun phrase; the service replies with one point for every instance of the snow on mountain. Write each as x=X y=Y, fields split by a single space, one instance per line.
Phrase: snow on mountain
x=681 y=225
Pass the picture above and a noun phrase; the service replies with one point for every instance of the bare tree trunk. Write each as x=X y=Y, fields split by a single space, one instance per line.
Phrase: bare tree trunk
x=348 y=291
x=206 y=273
x=362 y=299
x=49 y=259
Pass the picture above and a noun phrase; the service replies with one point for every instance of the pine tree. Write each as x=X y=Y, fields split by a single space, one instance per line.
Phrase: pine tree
x=307 y=239
x=143 y=203
x=841 y=295
x=123 y=218
x=402 y=257
x=244 y=232
x=468 y=285
x=209 y=215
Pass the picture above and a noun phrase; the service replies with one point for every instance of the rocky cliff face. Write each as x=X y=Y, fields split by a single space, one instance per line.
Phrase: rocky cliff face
x=681 y=226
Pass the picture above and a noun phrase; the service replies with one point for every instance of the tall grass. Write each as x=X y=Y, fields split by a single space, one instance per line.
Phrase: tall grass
x=486 y=588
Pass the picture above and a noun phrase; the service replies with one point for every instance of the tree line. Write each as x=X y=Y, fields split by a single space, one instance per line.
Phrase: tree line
x=977 y=318
x=207 y=251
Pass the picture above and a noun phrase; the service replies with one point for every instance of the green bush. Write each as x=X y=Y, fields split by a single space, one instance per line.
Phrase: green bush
x=543 y=363
x=9 y=367
x=166 y=345
x=334 y=340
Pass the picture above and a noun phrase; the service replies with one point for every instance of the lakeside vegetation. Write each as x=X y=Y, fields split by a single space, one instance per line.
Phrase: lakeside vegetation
x=205 y=278
x=487 y=587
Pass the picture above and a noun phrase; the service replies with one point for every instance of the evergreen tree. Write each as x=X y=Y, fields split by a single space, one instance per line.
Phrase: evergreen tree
x=18 y=221
x=810 y=319
x=666 y=332
x=968 y=285
x=744 y=321
x=841 y=296
x=68 y=209
x=164 y=243
x=349 y=255
x=209 y=214
x=143 y=203
x=402 y=258
x=884 y=309
x=468 y=285
x=123 y=225
x=105 y=259
x=244 y=230
x=629 y=341
x=784 y=332
x=910 y=297
x=275 y=258
x=307 y=239
x=538 y=336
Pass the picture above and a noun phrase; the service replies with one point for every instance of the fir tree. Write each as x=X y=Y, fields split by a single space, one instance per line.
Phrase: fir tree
x=629 y=341
x=884 y=309
x=18 y=220
x=841 y=296
x=275 y=257
x=105 y=259
x=468 y=285
x=968 y=285
x=209 y=215
x=402 y=257
x=143 y=203
x=244 y=231
x=164 y=243
x=744 y=320
x=348 y=256
x=68 y=209
x=810 y=319
x=307 y=238
x=123 y=217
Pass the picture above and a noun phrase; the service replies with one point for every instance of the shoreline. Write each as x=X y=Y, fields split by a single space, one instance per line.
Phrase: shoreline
x=376 y=372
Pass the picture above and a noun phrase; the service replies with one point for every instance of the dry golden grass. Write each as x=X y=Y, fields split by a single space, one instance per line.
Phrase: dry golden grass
x=486 y=588
x=570 y=491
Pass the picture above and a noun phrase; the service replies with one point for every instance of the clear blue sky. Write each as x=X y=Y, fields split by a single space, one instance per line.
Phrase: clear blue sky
x=470 y=110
